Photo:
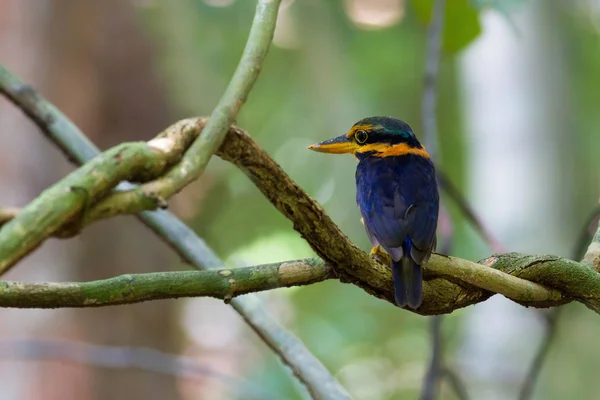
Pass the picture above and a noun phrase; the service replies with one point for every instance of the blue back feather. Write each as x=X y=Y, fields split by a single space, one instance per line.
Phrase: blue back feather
x=398 y=199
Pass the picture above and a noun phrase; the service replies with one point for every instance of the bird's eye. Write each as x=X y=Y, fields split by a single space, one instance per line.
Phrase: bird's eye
x=361 y=136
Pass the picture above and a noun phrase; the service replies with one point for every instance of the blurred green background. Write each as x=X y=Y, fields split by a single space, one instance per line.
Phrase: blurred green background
x=518 y=105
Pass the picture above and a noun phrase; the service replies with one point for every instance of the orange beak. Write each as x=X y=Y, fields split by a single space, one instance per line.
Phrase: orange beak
x=339 y=145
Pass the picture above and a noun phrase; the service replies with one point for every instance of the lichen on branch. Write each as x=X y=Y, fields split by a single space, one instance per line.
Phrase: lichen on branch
x=222 y=284
x=452 y=283
x=68 y=200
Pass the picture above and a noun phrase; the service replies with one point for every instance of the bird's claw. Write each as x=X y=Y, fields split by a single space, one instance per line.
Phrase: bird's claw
x=379 y=255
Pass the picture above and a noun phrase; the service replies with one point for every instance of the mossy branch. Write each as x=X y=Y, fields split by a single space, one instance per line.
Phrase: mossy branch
x=76 y=146
x=222 y=284
x=539 y=281
x=453 y=283
x=67 y=201
x=225 y=113
x=477 y=282
x=78 y=149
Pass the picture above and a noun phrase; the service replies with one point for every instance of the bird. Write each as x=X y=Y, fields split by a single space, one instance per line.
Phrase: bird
x=397 y=194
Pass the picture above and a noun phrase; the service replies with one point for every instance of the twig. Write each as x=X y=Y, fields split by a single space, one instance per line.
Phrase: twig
x=432 y=67
x=586 y=234
x=324 y=385
x=8 y=213
x=135 y=288
x=60 y=130
x=456 y=384
x=429 y=117
x=551 y=319
x=592 y=255
x=142 y=358
x=306 y=367
x=452 y=191
x=435 y=370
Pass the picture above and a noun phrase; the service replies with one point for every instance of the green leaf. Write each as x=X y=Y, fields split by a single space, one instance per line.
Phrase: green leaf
x=461 y=22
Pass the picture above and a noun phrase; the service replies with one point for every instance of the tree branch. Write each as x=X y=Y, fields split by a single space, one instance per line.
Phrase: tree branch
x=592 y=256
x=444 y=292
x=60 y=202
x=135 y=288
x=587 y=234
x=63 y=202
x=432 y=67
x=456 y=290
x=309 y=370
x=467 y=210
x=79 y=149
x=551 y=318
x=434 y=374
x=477 y=282
x=225 y=113
x=353 y=265
x=456 y=384
x=8 y=213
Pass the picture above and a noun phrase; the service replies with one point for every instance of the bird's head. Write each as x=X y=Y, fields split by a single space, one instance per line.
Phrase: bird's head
x=376 y=136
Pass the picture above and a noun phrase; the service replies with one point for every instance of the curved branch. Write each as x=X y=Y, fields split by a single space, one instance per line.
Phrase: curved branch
x=574 y=280
x=351 y=263
x=64 y=202
x=225 y=113
x=592 y=256
x=78 y=149
x=587 y=233
x=59 y=203
x=434 y=373
x=453 y=283
x=452 y=287
x=150 y=160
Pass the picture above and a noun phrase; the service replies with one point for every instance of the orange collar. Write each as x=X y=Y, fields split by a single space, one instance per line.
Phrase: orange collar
x=387 y=150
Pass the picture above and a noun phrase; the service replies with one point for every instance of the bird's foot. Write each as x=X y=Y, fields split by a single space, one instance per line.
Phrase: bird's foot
x=379 y=255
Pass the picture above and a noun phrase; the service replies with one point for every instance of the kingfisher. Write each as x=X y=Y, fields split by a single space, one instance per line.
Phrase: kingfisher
x=397 y=194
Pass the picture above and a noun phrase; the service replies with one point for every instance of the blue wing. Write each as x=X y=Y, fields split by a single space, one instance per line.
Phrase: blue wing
x=398 y=199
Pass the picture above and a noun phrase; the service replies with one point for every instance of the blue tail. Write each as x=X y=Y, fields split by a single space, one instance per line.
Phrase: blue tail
x=408 y=279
